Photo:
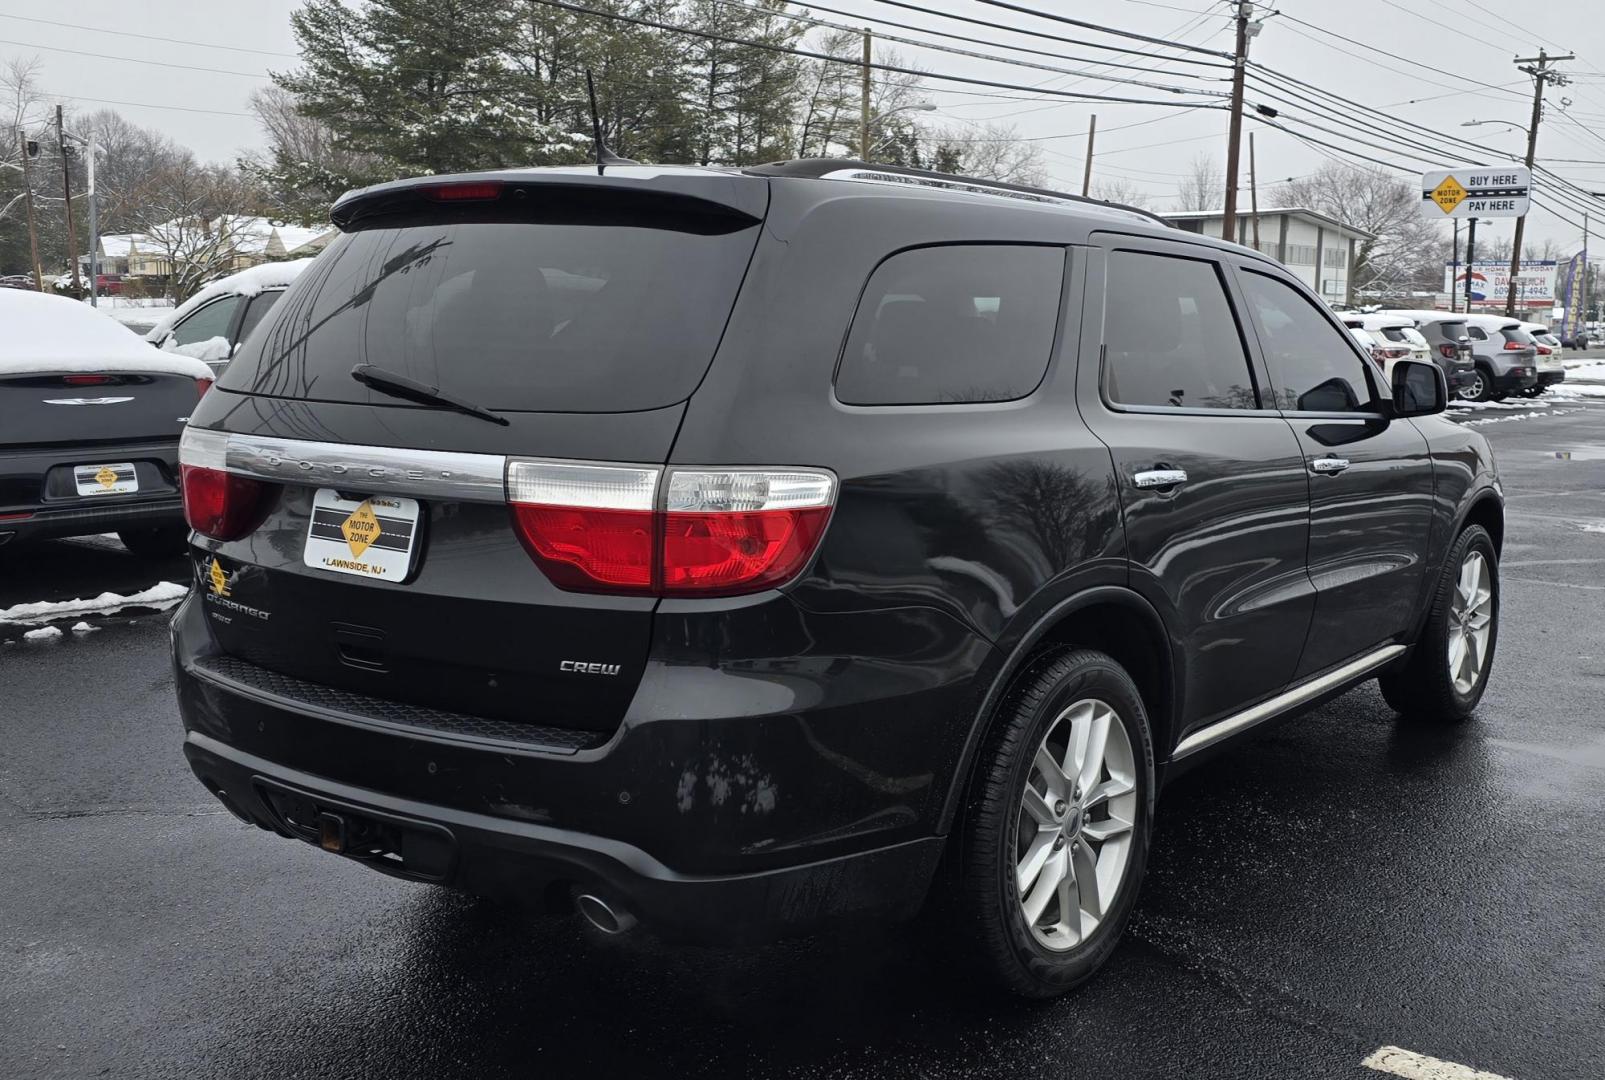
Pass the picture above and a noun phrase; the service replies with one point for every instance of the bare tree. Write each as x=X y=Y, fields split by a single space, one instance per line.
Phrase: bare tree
x=195 y=216
x=132 y=162
x=990 y=151
x=1204 y=188
x=1404 y=252
x=1120 y=190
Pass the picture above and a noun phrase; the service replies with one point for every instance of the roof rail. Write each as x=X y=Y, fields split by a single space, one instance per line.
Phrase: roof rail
x=851 y=169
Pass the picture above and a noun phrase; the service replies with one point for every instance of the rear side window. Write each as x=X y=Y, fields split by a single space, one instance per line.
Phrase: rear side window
x=1476 y=333
x=953 y=324
x=1170 y=337
x=258 y=307
x=211 y=321
x=1311 y=367
x=585 y=312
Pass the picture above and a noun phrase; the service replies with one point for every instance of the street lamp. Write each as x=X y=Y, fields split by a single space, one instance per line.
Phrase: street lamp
x=1479 y=123
x=923 y=106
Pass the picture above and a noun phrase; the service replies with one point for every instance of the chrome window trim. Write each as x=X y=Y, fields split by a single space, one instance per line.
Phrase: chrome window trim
x=425 y=474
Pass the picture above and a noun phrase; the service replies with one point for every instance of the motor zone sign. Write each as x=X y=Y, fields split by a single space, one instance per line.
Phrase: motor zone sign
x=1476 y=192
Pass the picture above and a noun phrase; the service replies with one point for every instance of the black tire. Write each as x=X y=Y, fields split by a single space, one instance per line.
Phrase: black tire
x=161 y=542
x=985 y=907
x=1423 y=689
x=1482 y=387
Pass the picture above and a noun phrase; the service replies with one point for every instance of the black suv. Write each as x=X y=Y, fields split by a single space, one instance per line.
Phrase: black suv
x=741 y=551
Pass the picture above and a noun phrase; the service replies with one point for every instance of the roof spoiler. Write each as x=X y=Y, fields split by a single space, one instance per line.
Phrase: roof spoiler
x=706 y=201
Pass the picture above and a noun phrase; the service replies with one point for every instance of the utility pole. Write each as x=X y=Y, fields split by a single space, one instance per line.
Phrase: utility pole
x=1471 y=258
x=863 y=119
x=1253 y=191
x=1234 y=131
x=27 y=188
x=1583 y=323
x=66 y=190
x=1454 y=272
x=1538 y=67
x=94 y=231
x=1086 y=171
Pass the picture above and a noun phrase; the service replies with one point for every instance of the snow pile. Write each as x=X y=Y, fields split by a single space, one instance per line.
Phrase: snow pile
x=212 y=350
x=53 y=333
x=44 y=633
x=1573 y=391
x=82 y=627
x=273 y=275
x=162 y=594
x=1480 y=406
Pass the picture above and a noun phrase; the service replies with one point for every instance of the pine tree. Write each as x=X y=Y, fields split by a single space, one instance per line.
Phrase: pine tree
x=423 y=85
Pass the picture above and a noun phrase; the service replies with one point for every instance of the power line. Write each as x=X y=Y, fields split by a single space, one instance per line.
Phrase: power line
x=1041 y=34
x=973 y=54
x=898 y=69
x=148 y=37
x=148 y=105
x=134 y=60
x=1023 y=10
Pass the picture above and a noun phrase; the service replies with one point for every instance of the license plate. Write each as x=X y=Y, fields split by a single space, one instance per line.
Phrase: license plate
x=118 y=479
x=371 y=538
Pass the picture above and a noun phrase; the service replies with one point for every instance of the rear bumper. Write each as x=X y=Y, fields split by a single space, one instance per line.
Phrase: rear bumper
x=38 y=499
x=1512 y=381
x=495 y=856
x=1551 y=376
x=1460 y=378
x=52 y=522
x=720 y=810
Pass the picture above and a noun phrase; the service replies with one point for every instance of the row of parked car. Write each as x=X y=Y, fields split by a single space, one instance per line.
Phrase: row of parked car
x=1483 y=357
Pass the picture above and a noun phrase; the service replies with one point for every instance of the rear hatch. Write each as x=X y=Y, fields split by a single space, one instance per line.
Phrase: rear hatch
x=77 y=419
x=1519 y=347
x=575 y=315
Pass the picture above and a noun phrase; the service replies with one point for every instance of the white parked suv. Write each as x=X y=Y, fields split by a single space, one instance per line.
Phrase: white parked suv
x=1551 y=358
x=210 y=325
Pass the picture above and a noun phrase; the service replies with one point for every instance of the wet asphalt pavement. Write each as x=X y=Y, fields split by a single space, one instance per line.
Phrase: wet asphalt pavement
x=1339 y=883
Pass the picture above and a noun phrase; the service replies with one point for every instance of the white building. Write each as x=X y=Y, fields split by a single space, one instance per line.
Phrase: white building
x=1318 y=249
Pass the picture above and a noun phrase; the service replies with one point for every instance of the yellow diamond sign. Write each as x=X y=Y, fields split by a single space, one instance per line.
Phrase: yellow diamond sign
x=218 y=579
x=361 y=529
x=106 y=477
x=1448 y=194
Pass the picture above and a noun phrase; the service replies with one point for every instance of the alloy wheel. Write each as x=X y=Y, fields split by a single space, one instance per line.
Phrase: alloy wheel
x=1073 y=840
x=1471 y=618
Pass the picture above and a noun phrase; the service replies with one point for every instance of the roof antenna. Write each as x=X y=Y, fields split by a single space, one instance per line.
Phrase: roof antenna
x=604 y=156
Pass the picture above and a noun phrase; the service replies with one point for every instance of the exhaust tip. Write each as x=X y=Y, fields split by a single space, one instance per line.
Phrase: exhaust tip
x=605 y=917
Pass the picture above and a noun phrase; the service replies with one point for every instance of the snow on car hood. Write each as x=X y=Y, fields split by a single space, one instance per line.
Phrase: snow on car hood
x=273 y=275
x=53 y=333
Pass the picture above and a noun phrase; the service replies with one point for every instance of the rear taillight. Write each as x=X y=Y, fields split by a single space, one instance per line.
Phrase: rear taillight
x=715 y=532
x=741 y=530
x=590 y=527
x=1544 y=350
x=219 y=504
x=1448 y=352
x=202 y=386
x=469 y=191
x=86 y=380
x=1515 y=346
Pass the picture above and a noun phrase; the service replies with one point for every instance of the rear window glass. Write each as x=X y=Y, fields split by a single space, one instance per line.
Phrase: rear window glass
x=953 y=324
x=1170 y=337
x=1454 y=331
x=1516 y=334
x=512 y=315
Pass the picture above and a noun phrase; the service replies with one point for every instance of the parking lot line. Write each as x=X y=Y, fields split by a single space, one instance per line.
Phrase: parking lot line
x=1414 y=1066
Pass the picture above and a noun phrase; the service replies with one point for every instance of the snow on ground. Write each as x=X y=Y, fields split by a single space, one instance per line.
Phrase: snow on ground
x=1506 y=418
x=53 y=333
x=44 y=633
x=1481 y=406
x=136 y=315
x=1589 y=526
x=1570 y=391
x=162 y=595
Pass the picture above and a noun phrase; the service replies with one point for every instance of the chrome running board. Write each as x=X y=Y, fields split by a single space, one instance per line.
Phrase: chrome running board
x=1281 y=703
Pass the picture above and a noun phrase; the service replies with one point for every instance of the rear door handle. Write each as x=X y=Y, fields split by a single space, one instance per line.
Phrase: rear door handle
x=1160 y=478
x=1329 y=465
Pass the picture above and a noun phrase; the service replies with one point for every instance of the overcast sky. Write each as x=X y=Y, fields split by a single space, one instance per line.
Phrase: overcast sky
x=1149 y=146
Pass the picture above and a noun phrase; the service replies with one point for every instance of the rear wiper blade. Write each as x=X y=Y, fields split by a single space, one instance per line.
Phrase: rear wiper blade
x=388 y=382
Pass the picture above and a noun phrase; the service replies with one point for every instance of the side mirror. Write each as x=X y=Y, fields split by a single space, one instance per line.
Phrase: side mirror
x=1419 y=388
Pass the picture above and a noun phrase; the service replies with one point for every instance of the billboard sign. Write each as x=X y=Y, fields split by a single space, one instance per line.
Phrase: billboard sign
x=1490 y=282
x=1476 y=192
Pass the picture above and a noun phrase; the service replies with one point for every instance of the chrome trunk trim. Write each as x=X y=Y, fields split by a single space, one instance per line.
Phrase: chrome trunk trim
x=425 y=474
